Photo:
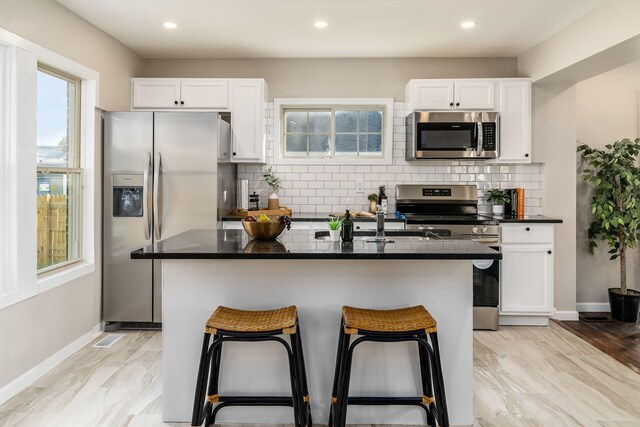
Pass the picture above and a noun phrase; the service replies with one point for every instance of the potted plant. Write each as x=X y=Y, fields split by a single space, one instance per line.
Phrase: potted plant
x=499 y=198
x=615 y=207
x=275 y=184
x=334 y=229
x=373 y=202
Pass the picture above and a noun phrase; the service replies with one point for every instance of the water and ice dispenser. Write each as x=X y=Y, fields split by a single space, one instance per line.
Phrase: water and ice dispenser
x=128 y=195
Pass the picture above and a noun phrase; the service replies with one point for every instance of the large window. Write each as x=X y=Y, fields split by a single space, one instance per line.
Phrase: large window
x=60 y=177
x=323 y=131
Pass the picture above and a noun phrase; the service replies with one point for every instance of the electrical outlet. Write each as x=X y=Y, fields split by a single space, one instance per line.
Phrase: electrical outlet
x=359 y=187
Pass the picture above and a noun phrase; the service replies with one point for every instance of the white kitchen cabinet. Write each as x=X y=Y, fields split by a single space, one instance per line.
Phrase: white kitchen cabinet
x=204 y=94
x=471 y=94
x=248 y=130
x=515 y=121
x=526 y=274
x=180 y=94
x=155 y=93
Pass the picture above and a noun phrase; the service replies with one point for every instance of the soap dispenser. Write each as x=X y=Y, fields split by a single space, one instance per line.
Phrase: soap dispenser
x=347 y=228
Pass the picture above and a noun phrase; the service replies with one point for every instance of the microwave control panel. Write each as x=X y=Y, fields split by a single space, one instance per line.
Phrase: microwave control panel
x=489 y=136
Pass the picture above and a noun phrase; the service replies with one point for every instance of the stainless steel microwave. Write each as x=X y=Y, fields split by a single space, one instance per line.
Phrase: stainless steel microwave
x=452 y=135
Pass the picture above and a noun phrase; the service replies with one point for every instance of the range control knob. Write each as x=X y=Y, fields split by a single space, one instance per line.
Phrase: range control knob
x=483 y=229
x=474 y=230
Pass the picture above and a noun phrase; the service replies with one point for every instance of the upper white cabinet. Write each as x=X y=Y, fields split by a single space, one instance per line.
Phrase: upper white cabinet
x=155 y=93
x=197 y=94
x=248 y=132
x=451 y=94
x=515 y=120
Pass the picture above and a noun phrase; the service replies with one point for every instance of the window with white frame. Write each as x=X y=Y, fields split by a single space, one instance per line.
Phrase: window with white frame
x=59 y=172
x=333 y=131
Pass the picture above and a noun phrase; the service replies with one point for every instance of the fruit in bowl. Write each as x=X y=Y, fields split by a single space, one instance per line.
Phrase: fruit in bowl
x=264 y=227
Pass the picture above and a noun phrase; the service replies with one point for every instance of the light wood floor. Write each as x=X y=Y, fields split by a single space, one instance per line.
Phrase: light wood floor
x=523 y=377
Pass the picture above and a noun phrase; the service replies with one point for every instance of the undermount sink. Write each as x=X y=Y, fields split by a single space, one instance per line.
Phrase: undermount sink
x=388 y=234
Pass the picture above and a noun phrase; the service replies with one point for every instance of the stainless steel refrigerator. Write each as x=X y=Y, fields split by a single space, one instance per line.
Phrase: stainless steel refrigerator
x=164 y=173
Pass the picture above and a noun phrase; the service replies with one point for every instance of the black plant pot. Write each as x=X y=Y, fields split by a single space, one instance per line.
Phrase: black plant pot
x=624 y=307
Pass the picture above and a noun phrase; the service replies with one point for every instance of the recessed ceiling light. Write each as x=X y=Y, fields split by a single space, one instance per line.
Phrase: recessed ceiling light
x=170 y=25
x=320 y=24
x=468 y=24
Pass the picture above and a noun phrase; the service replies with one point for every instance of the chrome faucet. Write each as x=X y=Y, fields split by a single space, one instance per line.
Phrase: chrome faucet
x=379 y=223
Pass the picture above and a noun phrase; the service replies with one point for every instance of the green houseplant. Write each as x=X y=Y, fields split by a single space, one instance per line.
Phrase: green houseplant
x=373 y=202
x=334 y=225
x=274 y=184
x=498 y=197
x=615 y=207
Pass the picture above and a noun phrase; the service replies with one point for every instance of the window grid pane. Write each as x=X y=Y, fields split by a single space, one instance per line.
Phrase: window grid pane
x=352 y=132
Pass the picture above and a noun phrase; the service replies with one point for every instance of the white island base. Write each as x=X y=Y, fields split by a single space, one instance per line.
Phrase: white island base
x=319 y=288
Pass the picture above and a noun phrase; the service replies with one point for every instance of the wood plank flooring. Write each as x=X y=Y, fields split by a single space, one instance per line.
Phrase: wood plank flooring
x=620 y=340
x=523 y=377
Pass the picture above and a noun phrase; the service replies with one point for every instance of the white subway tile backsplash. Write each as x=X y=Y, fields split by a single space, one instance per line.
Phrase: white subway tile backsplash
x=331 y=188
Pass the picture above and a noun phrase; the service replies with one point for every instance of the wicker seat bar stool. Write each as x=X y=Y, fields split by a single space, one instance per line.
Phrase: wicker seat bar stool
x=399 y=325
x=228 y=324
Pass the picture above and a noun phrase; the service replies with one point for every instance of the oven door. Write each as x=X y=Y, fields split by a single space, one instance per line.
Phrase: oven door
x=486 y=294
x=446 y=139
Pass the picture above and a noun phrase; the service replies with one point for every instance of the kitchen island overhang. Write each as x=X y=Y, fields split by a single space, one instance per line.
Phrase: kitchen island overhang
x=202 y=269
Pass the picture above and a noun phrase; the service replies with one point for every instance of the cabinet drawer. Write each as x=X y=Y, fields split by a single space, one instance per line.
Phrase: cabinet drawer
x=526 y=233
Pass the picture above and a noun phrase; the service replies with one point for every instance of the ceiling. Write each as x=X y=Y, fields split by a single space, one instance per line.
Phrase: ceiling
x=357 y=28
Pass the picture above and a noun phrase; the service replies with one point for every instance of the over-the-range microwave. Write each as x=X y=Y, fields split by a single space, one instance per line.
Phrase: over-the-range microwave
x=452 y=135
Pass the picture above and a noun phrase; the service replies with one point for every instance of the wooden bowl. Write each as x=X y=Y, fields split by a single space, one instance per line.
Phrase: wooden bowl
x=263 y=230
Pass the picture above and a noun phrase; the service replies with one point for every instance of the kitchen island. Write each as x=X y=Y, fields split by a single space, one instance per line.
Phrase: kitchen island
x=202 y=269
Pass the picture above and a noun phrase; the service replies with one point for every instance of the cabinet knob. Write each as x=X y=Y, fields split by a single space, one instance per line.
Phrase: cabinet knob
x=451 y=104
x=175 y=102
x=234 y=153
x=457 y=104
x=549 y=252
x=528 y=229
x=181 y=102
x=357 y=227
x=526 y=155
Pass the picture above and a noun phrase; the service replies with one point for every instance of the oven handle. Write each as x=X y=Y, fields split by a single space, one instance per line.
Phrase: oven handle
x=480 y=140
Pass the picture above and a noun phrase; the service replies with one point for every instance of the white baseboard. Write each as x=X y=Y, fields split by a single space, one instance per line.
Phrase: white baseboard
x=523 y=320
x=38 y=371
x=566 y=315
x=590 y=307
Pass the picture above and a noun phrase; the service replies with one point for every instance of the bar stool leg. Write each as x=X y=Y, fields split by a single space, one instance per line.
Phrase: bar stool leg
x=298 y=354
x=343 y=386
x=441 y=402
x=336 y=376
x=201 y=382
x=214 y=378
x=427 y=381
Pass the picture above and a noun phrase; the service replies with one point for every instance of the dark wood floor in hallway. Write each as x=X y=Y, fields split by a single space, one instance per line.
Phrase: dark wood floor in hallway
x=619 y=340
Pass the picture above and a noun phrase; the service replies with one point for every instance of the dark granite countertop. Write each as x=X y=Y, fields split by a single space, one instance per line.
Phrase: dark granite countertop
x=533 y=219
x=302 y=244
x=320 y=216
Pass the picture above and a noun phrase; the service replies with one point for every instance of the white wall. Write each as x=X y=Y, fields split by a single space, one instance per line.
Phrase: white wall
x=35 y=329
x=607 y=111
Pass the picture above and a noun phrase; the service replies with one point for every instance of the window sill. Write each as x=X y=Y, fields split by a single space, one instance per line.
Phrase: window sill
x=56 y=278
x=332 y=161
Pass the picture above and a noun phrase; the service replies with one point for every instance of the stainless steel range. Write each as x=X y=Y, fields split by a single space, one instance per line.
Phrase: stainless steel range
x=451 y=211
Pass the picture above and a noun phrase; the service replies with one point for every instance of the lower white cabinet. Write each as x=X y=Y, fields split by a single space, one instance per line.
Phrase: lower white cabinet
x=526 y=274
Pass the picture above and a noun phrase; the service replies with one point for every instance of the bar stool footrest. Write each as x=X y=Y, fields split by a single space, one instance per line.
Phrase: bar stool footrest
x=257 y=400
x=380 y=400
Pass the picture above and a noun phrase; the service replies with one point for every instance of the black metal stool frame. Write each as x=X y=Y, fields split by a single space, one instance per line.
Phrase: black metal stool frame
x=210 y=367
x=429 y=357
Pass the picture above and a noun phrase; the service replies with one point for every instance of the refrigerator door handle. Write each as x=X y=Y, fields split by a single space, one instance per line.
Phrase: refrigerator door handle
x=156 y=192
x=146 y=195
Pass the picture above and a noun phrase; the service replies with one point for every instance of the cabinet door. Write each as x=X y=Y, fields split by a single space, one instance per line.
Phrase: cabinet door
x=515 y=121
x=248 y=137
x=155 y=93
x=206 y=93
x=433 y=94
x=526 y=279
x=475 y=95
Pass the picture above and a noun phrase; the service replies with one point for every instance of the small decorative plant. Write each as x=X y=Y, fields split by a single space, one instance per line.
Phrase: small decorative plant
x=498 y=197
x=334 y=228
x=615 y=207
x=274 y=183
x=272 y=180
x=373 y=202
